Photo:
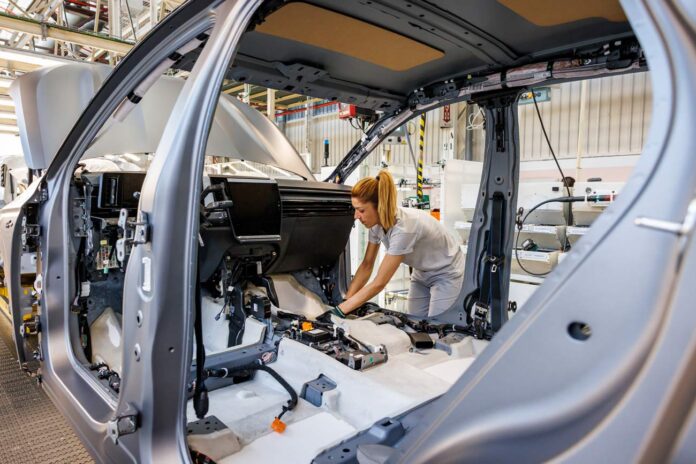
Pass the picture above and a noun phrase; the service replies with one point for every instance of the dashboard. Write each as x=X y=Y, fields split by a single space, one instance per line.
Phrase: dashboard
x=276 y=225
x=270 y=225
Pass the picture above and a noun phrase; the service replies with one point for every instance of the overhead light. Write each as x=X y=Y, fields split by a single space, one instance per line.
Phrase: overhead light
x=6 y=101
x=7 y=115
x=8 y=128
x=30 y=57
x=5 y=83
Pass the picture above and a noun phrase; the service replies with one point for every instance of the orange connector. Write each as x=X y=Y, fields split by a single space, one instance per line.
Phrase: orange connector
x=278 y=425
x=307 y=326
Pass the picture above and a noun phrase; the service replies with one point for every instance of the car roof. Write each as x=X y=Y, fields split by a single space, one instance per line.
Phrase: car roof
x=376 y=53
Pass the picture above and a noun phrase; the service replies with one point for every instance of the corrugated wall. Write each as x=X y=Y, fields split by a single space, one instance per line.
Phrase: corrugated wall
x=615 y=121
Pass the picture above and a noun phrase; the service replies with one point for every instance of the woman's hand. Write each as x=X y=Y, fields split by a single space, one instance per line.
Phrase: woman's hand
x=389 y=265
x=336 y=311
x=364 y=270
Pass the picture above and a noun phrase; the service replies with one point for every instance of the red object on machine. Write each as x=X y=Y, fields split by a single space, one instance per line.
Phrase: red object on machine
x=347 y=111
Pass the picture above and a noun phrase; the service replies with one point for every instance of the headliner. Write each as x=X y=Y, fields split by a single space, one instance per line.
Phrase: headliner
x=343 y=57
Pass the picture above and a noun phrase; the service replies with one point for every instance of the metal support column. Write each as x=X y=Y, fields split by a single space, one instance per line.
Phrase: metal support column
x=484 y=296
x=421 y=156
x=270 y=104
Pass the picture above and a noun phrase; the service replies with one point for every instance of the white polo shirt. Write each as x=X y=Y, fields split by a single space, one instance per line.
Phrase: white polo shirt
x=423 y=242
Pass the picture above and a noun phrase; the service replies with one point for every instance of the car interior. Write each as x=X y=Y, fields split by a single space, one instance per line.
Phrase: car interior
x=272 y=256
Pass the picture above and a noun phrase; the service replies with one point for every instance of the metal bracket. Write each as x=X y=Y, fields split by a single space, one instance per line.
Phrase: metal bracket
x=135 y=233
x=30 y=327
x=121 y=242
x=121 y=250
x=29 y=231
x=123 y=425
x=32 y=230
x=480 y=316
x=495 y=262
x=500 y=131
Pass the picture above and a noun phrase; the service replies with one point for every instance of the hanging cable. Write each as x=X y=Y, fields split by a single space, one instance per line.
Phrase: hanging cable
x=471 y=123
x=410 y=147
x=520 y=224
x=564 y=179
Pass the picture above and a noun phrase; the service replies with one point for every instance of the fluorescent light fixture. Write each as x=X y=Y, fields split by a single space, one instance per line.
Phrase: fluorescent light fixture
x=7 y=115
x=8 y=128
x=6 y=101
x=30 y=57
x=5 y=83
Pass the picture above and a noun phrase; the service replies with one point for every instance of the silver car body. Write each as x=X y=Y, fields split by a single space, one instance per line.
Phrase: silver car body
x=536 y=393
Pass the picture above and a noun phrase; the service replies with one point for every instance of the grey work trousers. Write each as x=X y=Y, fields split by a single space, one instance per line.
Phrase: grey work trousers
x=433 y=293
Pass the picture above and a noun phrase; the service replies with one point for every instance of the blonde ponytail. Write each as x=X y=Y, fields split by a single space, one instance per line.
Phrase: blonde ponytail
x=381 y=192
x=386 y=199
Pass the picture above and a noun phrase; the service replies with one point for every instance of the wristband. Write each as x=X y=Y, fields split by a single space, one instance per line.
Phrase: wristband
x=335 y=310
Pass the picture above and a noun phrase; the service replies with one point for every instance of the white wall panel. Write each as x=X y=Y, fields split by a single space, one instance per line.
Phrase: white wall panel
x=616 y=118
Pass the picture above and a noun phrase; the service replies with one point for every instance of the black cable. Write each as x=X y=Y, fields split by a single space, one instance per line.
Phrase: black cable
x=548 y=142
x=292 y=402
x=568 y=199
x=358 y=125
x=564 y=179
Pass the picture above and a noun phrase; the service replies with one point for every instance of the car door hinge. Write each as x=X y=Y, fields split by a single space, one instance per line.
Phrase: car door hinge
x=125 y=424
x=30 y=327
x=142 y=230
x=29 y=232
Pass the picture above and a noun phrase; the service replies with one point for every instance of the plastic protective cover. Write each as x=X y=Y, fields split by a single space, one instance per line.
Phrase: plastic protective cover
x=49 y=101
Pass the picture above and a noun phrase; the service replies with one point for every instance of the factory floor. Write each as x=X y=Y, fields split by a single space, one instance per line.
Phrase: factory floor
x=32 y=431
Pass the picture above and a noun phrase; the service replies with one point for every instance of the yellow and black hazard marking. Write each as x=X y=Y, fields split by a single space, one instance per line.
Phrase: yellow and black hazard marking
x=421 y=156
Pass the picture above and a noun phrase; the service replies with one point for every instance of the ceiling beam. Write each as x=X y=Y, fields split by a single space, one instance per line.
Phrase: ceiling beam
x=292 y=96
x=257 y=95
x=234 y=89
x=11 y=65
x=310 y=101
x=51 y=31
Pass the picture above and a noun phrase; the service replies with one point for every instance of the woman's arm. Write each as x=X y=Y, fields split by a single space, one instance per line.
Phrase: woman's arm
x=362 y=275
x=389 y=265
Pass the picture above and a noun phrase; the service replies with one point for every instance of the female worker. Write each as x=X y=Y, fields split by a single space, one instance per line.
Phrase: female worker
x=410 y=236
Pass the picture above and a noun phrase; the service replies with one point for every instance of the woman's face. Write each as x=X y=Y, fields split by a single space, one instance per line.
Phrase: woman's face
x=366 y=212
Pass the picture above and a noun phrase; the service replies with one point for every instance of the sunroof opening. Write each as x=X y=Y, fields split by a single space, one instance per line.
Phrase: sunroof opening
x=339 y=33
x=547 y=13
